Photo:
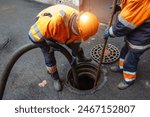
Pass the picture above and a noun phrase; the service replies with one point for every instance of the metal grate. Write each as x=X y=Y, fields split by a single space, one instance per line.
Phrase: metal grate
x=111 y=53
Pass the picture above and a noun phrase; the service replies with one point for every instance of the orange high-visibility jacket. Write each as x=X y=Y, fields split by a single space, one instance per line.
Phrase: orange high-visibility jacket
x=135 y=12
x=134 y=23
x=52 y=23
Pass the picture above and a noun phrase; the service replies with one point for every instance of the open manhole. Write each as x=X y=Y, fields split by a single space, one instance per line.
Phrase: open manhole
x=86 y=79
x=111 y=53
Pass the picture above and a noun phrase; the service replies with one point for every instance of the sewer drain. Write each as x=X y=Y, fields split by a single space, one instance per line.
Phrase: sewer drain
x=111 y=53
x=86 y=78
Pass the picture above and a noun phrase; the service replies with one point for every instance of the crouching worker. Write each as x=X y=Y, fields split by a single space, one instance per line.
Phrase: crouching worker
x=64 y=25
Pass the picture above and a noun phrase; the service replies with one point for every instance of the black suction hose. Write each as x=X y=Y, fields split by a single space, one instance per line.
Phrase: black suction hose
x=18 y=53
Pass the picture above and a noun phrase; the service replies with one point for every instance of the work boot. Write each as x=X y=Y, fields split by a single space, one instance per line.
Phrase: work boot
x=123 y=84
x=56 y=81
x=57 y=84
x=82 y=58
x=116 y=69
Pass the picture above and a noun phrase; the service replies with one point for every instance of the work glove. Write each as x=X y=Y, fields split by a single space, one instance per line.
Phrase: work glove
x=74 y=60
x=106 y=33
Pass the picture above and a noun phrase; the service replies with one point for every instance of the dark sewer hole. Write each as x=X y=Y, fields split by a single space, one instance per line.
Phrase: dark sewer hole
x=85 y=82
x=86 y=79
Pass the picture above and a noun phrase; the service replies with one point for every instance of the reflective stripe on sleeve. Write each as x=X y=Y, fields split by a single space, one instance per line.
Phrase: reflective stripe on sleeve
x=37 y=31
x=111 y=32
x=64 y=17
x=147 y=20
x=138 y=47
x=35 y=34
x=32 y=37
x=126 y=23
x=62 y=13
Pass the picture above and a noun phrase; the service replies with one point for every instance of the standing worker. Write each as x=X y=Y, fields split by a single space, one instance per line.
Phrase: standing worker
x=65 y=25
x=133 y=23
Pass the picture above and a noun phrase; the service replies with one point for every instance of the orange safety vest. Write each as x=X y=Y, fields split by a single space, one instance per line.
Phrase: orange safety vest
x=54 y=26
x=134 y=23
x=134 y=12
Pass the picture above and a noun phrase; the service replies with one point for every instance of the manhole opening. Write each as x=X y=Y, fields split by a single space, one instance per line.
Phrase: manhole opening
x=85 y=81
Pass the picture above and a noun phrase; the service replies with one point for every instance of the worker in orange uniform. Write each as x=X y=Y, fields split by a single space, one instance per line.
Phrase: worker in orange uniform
x=133 y=23
x=65 y=25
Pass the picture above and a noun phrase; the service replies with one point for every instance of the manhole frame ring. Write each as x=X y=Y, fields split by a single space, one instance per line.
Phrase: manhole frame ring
x=99 y=85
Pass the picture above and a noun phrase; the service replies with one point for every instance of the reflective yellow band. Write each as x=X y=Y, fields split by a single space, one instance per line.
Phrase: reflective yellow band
x=138 y=47
x=32 y=37
x=111 y=32
x=126 y=23
x=35 y=34
x=37 y=31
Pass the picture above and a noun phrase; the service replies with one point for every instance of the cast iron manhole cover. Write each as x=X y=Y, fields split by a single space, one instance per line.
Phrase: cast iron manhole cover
x=111 y=53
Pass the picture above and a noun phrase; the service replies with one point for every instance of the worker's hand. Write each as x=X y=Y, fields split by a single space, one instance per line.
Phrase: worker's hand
x=117 y=9
x=74 y=60
x=106 y=33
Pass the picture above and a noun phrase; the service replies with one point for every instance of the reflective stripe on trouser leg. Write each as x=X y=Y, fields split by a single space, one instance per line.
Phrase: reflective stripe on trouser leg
x=51 y=69
x=129 y=76
x=121 y=63
x=53 y=72
x=55 y=76
x=123 y=53
x=130 y=66
x=50 y=61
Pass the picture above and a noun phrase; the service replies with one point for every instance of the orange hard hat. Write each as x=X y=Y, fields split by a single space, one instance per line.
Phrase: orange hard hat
x=87 y=24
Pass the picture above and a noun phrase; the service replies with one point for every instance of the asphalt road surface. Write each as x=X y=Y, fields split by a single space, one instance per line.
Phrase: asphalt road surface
x=16 y=17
